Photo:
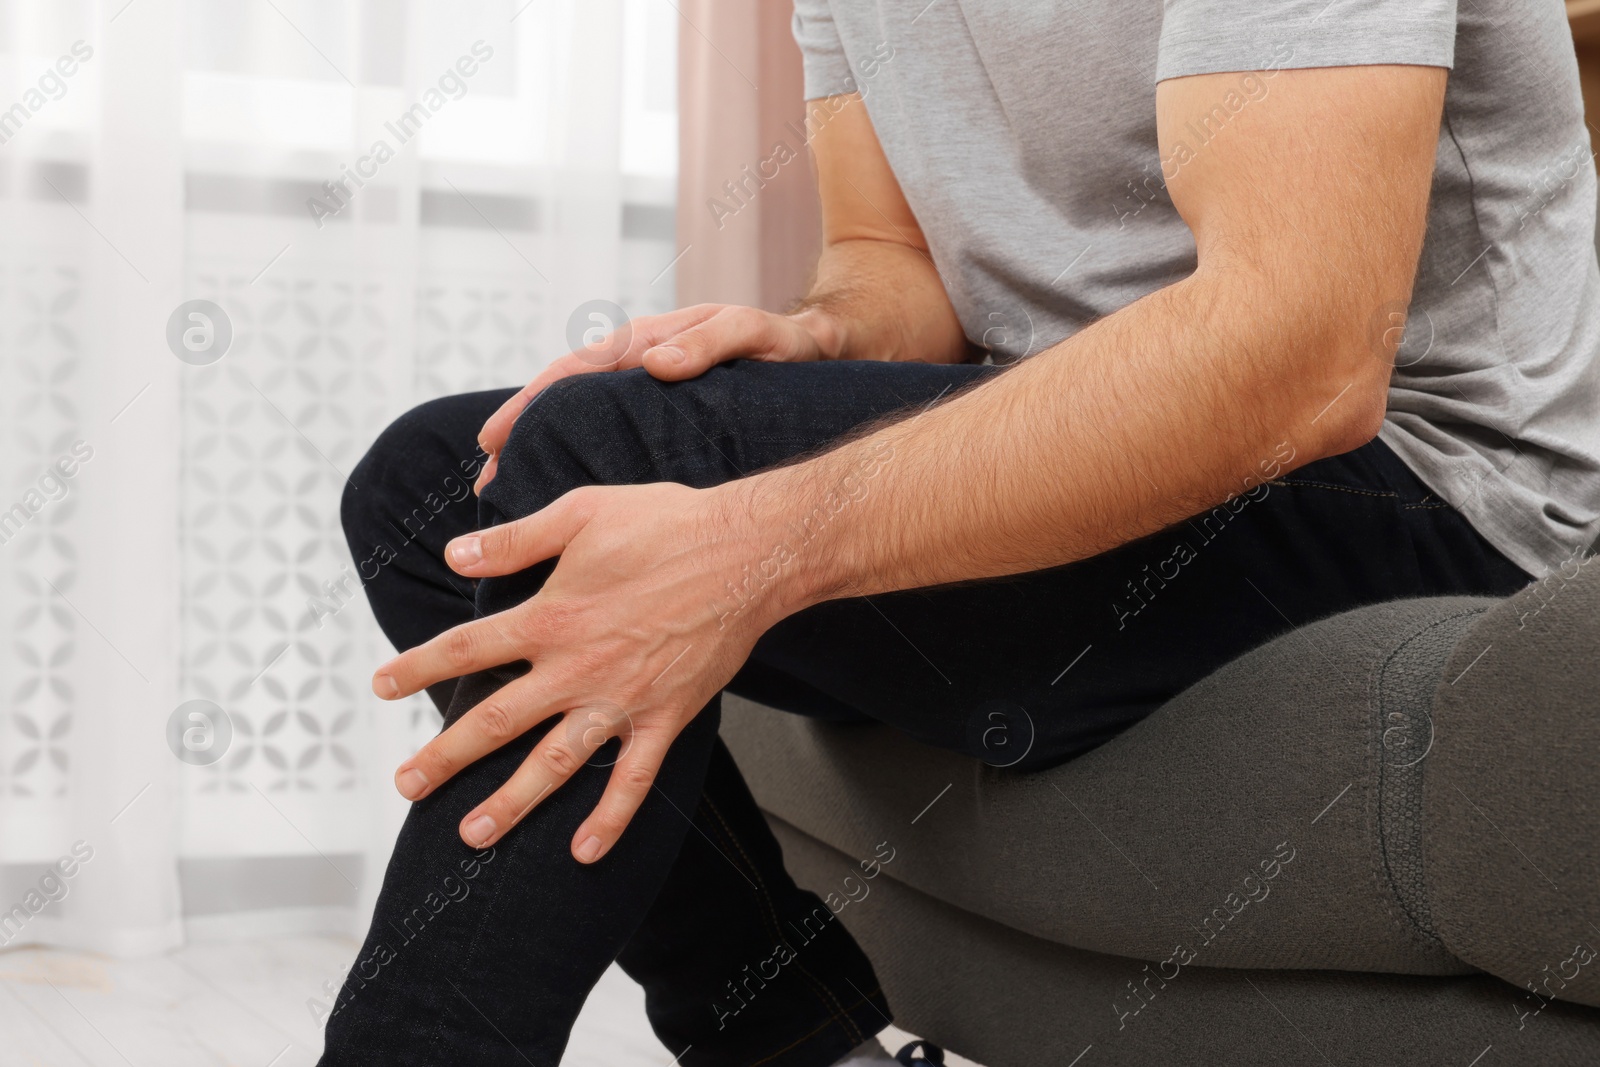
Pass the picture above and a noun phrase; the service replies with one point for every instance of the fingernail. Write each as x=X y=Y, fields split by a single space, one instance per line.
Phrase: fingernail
x=385 y=686
x=411 y=782
x=590 y=850
x=466 y=550
x=479 y=830
x=669 y=353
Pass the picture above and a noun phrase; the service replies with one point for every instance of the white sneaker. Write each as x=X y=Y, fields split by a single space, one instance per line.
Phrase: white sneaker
x=869 y=1054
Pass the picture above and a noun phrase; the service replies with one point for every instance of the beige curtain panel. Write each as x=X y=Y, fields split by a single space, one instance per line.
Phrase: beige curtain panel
x=748 y=230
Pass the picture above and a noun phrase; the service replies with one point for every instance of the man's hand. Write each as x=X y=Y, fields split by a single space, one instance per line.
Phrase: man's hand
x=876 y=296
x=678 y=345
x=624 y=640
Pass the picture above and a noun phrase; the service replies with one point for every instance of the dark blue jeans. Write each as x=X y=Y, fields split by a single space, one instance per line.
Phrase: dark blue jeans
x=486 y=958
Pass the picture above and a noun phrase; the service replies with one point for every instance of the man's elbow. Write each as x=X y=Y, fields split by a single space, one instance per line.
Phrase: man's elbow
x=1330 y=386
x=1355 y=430
x=1349 y=411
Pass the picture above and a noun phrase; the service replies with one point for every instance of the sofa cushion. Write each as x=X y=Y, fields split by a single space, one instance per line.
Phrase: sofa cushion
x=1269 y=816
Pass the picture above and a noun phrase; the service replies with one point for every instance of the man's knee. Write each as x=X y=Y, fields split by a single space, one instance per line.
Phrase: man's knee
x=413 y=463
x=589 y=429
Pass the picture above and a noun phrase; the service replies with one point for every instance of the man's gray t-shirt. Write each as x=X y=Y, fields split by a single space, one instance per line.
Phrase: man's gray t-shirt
x=1023 y=133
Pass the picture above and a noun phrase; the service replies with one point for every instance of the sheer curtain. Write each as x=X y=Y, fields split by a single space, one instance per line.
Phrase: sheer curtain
x=239 y=239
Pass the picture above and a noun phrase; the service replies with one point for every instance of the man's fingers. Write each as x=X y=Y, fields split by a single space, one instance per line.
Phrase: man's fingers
x=513 y=710
x=492 y=438
x=497 y=430
x=472 y=646
x=486 y=475
x=556 y=758
x=729 y=334
x=630 y=783
x=618 y=350
x=519 y=544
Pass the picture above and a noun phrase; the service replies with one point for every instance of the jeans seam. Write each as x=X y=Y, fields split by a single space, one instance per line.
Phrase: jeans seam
x=1391 y=494
x=866 y=998
x=825 y=995
x=472 y=946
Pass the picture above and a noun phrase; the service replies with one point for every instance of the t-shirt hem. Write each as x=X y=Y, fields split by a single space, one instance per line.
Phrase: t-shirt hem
x=827 y=75
x=1536 y=551
x=1426 y=42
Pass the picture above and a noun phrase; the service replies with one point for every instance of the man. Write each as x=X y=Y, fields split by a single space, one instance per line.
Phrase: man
x=1187 y=235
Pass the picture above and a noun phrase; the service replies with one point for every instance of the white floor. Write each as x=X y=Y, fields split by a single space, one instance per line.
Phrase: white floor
x=240 y=1004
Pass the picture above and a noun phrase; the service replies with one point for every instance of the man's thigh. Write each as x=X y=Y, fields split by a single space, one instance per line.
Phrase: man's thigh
x=1030 y=670
x=1027 y=670
x=626 y=427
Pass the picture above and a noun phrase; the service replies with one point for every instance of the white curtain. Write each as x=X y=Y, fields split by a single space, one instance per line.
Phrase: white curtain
x=381 y=201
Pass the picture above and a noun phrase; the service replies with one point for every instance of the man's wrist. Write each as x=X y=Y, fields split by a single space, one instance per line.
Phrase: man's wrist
x=789 y=518
x=827 y=330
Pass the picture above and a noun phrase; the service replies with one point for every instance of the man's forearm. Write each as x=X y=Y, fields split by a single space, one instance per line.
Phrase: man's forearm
x=881 y=300
x=1308 y=219
x=1137 y=422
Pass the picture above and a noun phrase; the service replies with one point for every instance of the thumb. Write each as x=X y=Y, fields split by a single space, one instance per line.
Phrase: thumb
x=519 y=544
x=731 y=333
x=670 y=362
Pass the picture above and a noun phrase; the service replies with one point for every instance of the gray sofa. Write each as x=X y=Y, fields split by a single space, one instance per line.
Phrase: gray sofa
x=1373 y=840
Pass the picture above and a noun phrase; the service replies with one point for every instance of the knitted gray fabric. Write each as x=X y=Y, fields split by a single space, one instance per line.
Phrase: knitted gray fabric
x=1404 y=708
x=1511 y=805
x=1013 y=923
x=1242 y=822
x=1006 y=999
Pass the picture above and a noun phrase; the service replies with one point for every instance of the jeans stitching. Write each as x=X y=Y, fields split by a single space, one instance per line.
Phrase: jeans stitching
x=837 y=1013
x=1340 y=488
x=472 y=946
x=825 y=995
x=866 y=998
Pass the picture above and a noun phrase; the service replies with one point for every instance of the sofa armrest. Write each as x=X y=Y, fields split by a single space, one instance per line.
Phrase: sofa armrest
x=1511 y=814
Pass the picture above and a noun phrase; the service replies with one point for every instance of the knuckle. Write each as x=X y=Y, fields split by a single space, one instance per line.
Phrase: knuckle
x=460 y=647
x=498 y=541
x=517 y=539
x=610 y=823
x=746 y=318
x=560 y=759
x=636 y=775
x=587 y=732
x=435 y=764
x=524 y=627
x=497 y=723
x=580 y=501
x=550 y=618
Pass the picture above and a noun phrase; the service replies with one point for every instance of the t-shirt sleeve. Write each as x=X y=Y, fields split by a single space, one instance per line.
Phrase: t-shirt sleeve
x=1215 y=36
x=827 y=70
